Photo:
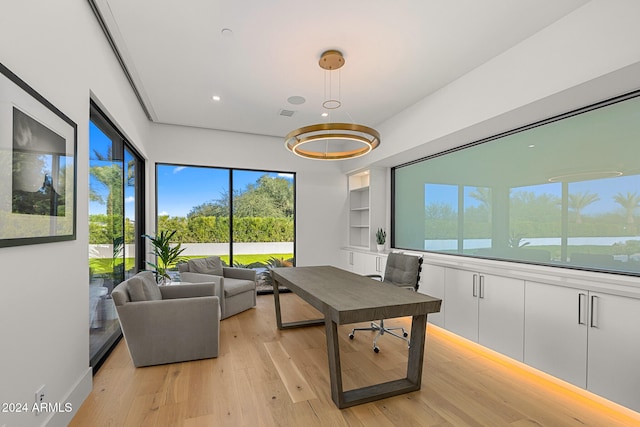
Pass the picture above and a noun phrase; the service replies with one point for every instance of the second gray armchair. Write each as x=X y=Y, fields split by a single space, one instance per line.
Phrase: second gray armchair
x=236 y=287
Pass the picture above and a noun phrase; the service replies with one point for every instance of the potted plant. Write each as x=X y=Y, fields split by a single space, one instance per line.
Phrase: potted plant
x=381 y=237
x=166 y=254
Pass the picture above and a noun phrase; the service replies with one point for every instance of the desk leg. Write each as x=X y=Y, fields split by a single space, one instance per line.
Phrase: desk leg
x=289 y=325
x=412 y=382
x=416 y=350
x=276 y=299
x=335 y=370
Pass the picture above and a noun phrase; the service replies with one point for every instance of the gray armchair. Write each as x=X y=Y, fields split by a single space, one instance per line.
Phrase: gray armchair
x=236 y=287
x=167 y=324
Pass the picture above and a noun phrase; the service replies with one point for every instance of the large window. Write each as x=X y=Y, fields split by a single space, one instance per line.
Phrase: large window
x=562 y=192
x=116 y=222
x=244 y=216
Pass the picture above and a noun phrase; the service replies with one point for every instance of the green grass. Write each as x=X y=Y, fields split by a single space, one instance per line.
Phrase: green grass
x=251 y=258
x=103 y=265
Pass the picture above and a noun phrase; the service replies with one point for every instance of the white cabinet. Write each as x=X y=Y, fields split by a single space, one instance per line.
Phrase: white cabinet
x=373 y=264
x=363 y=262
x=486 y=309
x=461 y=303
x=589 y=339
x=614 y=348
x=556 y=331
x=432 y=283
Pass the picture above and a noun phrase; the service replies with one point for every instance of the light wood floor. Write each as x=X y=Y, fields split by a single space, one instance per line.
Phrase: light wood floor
x=266 y=377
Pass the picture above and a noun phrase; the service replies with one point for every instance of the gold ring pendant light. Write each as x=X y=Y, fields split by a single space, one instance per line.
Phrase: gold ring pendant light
x=368 y=138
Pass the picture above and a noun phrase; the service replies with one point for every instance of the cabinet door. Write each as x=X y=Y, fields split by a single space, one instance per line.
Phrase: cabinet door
x=614 y=348
x=432 y=283
x=370 y=264
x=359 y=264
x=461 y=313
x=555 y=331
x=501 y=314
x=346 y=260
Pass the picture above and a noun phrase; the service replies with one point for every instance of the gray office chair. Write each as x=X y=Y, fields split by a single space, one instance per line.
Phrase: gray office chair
x=402 y=270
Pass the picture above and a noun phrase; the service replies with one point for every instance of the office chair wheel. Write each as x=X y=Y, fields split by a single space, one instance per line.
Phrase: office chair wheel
x=376 y=349
x=350 y=336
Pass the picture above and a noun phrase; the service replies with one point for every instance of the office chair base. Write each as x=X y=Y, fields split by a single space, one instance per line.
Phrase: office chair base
x=380 y=328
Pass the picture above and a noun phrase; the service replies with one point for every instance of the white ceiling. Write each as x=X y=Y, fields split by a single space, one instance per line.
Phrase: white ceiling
x=396 y=53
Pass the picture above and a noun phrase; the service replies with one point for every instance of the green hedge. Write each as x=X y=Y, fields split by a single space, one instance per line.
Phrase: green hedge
x=202 y=229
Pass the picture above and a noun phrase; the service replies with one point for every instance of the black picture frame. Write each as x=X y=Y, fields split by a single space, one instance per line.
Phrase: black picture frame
x=38 y=170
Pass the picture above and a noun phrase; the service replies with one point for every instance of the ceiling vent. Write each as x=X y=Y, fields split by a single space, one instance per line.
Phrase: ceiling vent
x=287 y=113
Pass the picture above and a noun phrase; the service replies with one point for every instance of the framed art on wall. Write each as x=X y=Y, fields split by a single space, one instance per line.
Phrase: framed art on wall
x=37 y=167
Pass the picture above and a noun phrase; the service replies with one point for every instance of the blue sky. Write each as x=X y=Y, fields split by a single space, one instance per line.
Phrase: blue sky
x=180 y=188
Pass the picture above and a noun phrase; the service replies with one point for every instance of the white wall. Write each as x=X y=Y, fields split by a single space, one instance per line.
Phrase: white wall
x=320 y=186
x=589 y=55
x=58 y=48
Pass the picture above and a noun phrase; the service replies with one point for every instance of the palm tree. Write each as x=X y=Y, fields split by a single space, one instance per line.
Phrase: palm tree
x=629 y=203
x=579 y=201
x=109 y=175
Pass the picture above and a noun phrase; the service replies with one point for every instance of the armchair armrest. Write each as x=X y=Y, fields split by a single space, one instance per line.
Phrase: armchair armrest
x=239 y=273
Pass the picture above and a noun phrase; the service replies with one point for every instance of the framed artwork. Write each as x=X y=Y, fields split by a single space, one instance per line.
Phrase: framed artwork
x=38 y=146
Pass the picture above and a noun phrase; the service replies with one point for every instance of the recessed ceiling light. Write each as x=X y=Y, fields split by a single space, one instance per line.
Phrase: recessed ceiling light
x=215 y=98
x=226 y=32
x=324 y=114
x=296 y=100
x=532 y=146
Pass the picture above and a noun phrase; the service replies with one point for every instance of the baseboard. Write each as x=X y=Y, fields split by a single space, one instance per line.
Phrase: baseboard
x=76 y=396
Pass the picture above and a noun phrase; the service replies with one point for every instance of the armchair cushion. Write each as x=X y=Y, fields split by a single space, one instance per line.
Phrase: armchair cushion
x=210 y=265
x=237 y=286
x=143 y=287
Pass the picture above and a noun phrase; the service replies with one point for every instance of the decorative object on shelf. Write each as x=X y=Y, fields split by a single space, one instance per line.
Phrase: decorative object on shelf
x=166 y=254
x=381 y=237
x=319 y=136
x=38 y=173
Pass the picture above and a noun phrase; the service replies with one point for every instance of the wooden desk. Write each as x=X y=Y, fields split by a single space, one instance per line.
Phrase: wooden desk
x=345 y=297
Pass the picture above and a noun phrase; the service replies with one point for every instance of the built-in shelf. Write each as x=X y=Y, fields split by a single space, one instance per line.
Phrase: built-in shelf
x=363 y=218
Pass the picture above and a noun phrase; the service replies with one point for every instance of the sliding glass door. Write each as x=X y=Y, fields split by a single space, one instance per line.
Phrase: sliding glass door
x=116 y=221
x=246 y=217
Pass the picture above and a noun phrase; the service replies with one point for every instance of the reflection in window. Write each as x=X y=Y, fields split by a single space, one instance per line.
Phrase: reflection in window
x=564 y=192
x=477 y=218
x=441 y=217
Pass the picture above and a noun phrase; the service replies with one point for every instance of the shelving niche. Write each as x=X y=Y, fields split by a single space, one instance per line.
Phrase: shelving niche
x=366 y=207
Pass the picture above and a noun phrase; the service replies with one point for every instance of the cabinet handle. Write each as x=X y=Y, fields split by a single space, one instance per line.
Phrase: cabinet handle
x=481 y=286
x=594 y=315
x=582 y=301
x=475 y=290
x=378 y=264
x=350 y=258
